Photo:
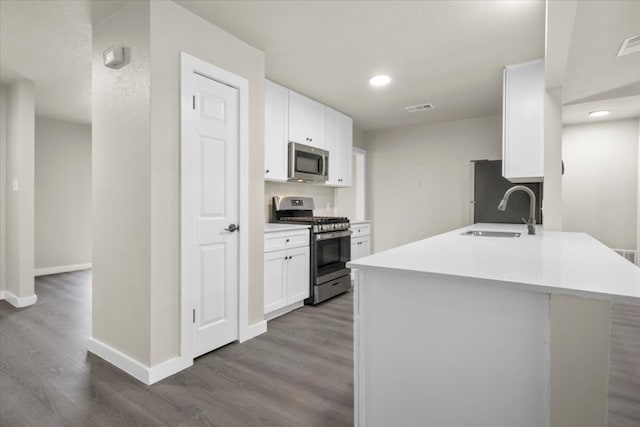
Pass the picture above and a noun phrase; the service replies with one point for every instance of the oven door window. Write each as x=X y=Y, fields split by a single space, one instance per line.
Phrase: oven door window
x=332 y=255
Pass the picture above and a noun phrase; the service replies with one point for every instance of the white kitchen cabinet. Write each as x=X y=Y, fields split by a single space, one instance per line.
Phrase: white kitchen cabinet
x=286 y=271
x=360 y=247
x=360 y=240
x=339 y=143
x=523 y=122
x=275 y=293
x=276 y=112
x=306 y=120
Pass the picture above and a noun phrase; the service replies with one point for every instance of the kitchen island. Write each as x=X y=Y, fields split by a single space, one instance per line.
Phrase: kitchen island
x=460 y=330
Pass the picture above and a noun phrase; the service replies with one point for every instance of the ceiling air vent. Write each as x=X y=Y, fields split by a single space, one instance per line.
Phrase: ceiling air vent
x=419 y=107
x=630 y=45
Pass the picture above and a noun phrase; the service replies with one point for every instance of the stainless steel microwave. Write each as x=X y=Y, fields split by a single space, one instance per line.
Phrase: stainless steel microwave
x=307 y=164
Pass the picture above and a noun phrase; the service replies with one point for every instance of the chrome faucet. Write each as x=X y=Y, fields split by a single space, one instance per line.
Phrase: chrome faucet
x=531 y=222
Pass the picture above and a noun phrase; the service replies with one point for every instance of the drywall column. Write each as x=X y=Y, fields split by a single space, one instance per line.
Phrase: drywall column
x=638 y=209
x=3 y=186
x=121 y=191
x=174 y=30
x=20 y=116
x=552 y=189
x=136 y=181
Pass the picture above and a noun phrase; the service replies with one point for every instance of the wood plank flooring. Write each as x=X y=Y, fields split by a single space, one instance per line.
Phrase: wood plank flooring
x=300 y=373
x=624 y=367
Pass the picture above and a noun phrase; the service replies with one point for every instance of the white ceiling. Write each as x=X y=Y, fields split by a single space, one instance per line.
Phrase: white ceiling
x=595 y=77
x=449 y=53
x=49 y=42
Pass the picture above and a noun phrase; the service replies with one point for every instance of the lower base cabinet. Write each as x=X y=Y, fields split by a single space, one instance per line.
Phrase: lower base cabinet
x=286 y=278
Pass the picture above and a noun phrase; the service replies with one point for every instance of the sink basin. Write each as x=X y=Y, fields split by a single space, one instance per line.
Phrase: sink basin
x=491 y=233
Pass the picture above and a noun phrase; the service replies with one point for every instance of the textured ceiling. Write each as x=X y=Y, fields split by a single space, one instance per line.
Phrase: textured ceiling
x=448 y=53
x=49 y=42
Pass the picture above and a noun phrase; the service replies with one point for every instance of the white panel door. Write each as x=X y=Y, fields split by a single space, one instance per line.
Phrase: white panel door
x=214 y=175
x=298 y=275
x=275 y=292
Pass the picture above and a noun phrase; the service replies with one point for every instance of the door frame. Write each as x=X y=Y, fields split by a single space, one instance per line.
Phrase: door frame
x=188 y=66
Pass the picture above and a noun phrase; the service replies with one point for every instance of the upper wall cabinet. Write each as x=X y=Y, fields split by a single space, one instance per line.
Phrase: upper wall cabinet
x=339 y=142
x=523 y=122
x=306 y=120
x=276 y=131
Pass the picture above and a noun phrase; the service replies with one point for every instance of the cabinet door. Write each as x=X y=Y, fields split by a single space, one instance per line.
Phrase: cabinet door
x=297 y=118
x=275 y=295
x=365 y=247
x=339 y=142
x=297 y=275
x=344 y=149
x=276 y=131
x=315 y=116
x=354 y=249
x=331 y=145
x=523 y=122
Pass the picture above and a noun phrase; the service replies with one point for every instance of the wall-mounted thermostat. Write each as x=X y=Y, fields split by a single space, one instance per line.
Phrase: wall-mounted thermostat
x=113 y=57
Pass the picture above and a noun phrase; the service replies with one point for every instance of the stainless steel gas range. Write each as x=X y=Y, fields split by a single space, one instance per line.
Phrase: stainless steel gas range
x=330 y=246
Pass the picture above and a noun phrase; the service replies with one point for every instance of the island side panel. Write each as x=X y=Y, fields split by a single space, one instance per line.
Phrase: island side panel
x=580 y=342
x=450 y=351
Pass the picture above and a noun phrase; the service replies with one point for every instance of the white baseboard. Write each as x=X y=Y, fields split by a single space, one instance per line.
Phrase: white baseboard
x=168 y=368
x=18 y=302
x=255 y=330
x=145 y=374
x=284 y=310
x=62 y=269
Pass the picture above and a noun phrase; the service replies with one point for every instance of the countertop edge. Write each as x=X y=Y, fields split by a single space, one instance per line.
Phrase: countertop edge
x=533 y=287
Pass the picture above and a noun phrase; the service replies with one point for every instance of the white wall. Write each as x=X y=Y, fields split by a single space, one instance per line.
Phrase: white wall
x=121 y=182
x=20 y=116
x=175 y=29
x=3 y=187
x=552 y=188
x=419 y=177
x=62 y=193
x=136 y=173
x=600 y=184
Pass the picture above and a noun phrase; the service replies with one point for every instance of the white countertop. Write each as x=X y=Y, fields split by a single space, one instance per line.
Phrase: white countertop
x=272 y=228
x=554 y=262
x=362 y=221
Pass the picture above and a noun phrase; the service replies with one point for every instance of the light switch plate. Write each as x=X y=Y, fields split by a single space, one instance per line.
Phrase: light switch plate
x=14 y=184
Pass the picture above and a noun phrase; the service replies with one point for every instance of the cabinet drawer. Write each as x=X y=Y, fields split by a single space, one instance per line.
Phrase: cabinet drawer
x=360 y=230
x=285 y=240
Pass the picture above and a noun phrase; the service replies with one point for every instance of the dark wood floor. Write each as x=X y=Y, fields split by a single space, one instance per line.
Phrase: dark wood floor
x=624 y=367
x=300 y=373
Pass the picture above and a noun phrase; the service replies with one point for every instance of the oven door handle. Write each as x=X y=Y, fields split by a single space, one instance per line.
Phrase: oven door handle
x=333 y=235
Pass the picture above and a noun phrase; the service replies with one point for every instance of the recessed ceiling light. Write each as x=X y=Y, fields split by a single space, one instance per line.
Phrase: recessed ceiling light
x=379 y=80
x=599 y=113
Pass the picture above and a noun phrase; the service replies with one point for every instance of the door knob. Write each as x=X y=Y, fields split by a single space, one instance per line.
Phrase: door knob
x=232 y=228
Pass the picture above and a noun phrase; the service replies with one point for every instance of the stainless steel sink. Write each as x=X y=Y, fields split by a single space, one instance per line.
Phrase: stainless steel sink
x=491 y=233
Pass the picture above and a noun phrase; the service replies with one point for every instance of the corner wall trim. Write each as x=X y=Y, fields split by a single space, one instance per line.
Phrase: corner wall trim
x=255 y=330
x=18 y=302
x=141 y=372
x=62 y=269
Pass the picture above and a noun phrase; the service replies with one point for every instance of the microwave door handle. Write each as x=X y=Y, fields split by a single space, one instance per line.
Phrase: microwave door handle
x=324 y=165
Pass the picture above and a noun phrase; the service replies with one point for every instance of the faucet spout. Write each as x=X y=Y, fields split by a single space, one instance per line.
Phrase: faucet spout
x=531 y=222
